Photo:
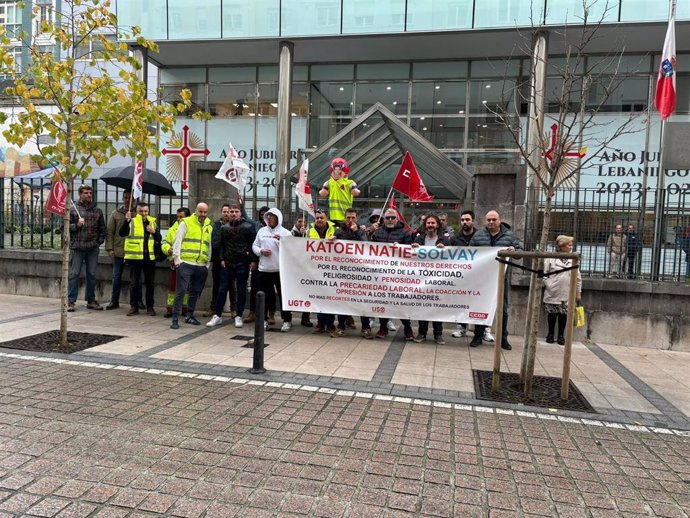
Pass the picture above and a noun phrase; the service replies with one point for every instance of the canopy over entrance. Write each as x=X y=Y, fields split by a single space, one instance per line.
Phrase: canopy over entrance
x=377 y=140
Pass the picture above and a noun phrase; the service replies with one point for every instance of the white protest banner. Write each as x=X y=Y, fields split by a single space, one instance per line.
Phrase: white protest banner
x=452 y=284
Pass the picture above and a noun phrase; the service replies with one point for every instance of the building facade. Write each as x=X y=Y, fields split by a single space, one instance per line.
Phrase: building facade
x=439 y=66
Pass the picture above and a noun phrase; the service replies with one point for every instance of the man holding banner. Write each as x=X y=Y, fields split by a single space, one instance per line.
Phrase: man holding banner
x=496 y=234
x=392 y=231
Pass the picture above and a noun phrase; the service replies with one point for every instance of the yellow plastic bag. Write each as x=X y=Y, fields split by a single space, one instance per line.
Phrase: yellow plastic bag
x=579 y=316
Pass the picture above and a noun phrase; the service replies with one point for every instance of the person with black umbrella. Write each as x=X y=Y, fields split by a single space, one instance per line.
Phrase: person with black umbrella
x=140 y=233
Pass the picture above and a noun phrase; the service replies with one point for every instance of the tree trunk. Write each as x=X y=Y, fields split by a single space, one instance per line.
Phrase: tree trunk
x=534 y=306
x=64 y=344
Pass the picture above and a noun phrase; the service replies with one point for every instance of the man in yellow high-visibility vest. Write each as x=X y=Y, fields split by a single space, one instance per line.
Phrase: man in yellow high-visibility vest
x=340 y=190
x=140 y=233
x=191 y=255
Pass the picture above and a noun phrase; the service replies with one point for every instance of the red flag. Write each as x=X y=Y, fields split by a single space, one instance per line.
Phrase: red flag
x=665 y=99
x=408 y=181
x=58 y=196
x=393 y=206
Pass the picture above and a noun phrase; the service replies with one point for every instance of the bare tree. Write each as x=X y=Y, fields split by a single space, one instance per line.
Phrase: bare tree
x=565 y=94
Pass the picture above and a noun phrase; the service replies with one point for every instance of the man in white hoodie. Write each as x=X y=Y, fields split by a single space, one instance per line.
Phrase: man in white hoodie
x=267 y=247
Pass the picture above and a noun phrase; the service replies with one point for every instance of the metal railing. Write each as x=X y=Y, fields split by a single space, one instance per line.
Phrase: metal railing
x=591 y=217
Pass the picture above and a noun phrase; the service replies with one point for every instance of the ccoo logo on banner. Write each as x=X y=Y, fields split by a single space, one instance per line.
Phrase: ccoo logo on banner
x=452 y=284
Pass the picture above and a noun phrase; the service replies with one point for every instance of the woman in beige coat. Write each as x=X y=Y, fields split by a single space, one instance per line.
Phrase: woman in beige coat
x=557 y=290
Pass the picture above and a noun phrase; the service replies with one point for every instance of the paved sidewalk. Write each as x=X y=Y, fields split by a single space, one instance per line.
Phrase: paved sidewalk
x=626 y=385
x=124 y=430
x=92 y=441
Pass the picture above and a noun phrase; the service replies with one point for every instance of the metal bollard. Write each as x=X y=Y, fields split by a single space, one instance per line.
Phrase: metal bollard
x=260 y=311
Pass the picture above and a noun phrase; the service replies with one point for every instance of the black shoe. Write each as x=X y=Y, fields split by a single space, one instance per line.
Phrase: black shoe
x=549 y=338
x=306 y=323
x=505 y=345
x=192 y=321
x=476 y=341
x=174 y=324
x=112 y=305
x=561 y=340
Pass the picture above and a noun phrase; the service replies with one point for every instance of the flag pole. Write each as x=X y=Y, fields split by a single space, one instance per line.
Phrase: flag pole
x=75 y=208
x=659 y=220
x=385 y=204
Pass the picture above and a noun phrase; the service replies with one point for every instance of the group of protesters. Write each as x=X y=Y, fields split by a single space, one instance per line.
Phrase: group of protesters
x=243 y=256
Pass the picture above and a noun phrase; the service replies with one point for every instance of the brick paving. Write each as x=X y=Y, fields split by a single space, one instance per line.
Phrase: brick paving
x=80 y=441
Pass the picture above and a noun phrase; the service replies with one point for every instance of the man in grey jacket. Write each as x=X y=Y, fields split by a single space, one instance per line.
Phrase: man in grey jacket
x=115 y=246
x=499 y=235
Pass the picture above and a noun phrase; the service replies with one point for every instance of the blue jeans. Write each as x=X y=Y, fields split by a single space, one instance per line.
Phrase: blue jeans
x=118 y=268
x=76 y=258
x=190 y=277
x=228 y=275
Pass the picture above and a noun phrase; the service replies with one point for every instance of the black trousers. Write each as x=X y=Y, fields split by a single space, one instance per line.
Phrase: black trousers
x=136 y=268
x=269 y=283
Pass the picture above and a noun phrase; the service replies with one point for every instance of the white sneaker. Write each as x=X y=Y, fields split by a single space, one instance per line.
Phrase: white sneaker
x=488 y=337
x=239 y=322
x=286 y=327
x=215 y=321
x=391 y=326
x=459 y=332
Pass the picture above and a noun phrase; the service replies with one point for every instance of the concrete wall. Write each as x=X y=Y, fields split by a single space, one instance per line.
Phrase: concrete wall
x=631 y=313
x=37 y=273
x=639 y=314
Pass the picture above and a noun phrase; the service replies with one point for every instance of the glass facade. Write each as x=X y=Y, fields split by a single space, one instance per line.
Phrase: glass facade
x=450 y=103
x=214 y=19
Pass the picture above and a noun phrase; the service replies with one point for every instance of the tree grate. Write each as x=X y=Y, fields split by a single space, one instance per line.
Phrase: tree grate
x=546 y=392
x=49 y=342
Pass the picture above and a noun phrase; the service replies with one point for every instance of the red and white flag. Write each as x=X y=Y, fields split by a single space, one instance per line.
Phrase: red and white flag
x=58 y=195
x=303 y=190
x=138 y=181
x=234 y=170
x=393 y=206
x=408 y=181
x=665 y=99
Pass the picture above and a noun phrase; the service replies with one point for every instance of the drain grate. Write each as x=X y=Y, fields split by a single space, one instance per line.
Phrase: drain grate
x=546 y=392
x=49 y=342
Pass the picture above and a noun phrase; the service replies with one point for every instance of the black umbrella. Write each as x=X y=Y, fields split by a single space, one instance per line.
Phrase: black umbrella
x=154 y=182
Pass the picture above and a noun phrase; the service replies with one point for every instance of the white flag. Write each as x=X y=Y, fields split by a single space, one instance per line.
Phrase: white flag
x=138 y=181
x=303 y=191
x=234 y=170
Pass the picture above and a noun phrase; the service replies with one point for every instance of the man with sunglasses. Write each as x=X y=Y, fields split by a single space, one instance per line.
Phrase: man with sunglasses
x=392 y=231
x=499 y=235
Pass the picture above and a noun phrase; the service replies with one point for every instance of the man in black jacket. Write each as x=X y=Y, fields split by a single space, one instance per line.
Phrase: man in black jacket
x=351 y=231
x=236 y=259
x=499 y=235
x=392 y=231
x=215 y=262
x=463 y=238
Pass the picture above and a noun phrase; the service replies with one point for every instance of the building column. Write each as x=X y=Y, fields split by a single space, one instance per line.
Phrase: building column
x=284 y=125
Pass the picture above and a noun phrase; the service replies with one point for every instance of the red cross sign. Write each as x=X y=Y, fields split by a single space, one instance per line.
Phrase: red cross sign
x=186 y=153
